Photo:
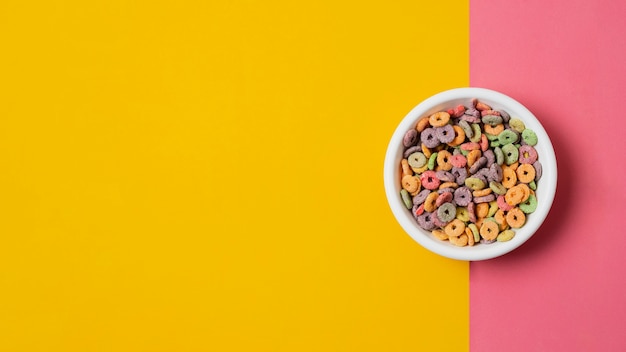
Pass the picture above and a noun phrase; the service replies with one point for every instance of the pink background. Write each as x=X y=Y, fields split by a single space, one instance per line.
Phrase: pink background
x=565 y=289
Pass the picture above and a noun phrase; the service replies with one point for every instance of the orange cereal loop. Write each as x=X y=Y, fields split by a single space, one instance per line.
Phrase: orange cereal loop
x=489 y=230
x=410 y=183
x=440 y=147
x=482 y=106
x=479 y=222
x=426 y=151
x=509 y=178
x=482 y=209
x=459 y=136
x=515 y=218
x=406 y=169
x=440 y=235
x=524 y=187
x=494 y=130
x=470 y=236
x=472 y=156
x=460 y=241
x=430 y=204
x=443 y=160
x=455 y=228
x=482 y=192
x=448 y=185
x=500 y=217
x=514 y=165
x=525 y=173
x=514 y=195
x=422 y=124
x=439 y=119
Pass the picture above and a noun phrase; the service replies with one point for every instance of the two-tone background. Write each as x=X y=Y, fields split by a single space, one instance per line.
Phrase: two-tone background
x=207 y=176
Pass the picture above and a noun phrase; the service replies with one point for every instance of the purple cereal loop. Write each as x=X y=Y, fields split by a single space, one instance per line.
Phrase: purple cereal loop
x=447 y=189
x=538 y=170
x=460 y=174
x=462 y=196
x=413 y=149
x=470 y=118
x=484 y=241
x=491 y=157
x=482 y=161
x=426 y=221
x=410 y=138
x=485 y=199
x=445 y=176
x=429 y=137
x=421 y=197
x=472 y=111
x=414 y=210
x=496 y=171
x=505 y=116
x=445 y=133
x=437 y=221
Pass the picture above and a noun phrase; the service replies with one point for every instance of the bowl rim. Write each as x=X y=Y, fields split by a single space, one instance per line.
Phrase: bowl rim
x=545 y=193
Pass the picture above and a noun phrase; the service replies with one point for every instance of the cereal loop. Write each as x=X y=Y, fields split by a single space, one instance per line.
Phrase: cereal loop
x=525 y=173
x=422 y=124
x=489 y=230
x=455 y=228
x=439 y=119
x=430 y=204
x=509 y=178
x=443 y=160
x=459 y=134
x=515 y=218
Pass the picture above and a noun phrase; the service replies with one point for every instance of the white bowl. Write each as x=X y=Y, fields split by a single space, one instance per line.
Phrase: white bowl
x=546 y=186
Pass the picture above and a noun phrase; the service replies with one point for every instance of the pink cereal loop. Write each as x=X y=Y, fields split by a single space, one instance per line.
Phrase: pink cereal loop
x=429 y=180
x=458 y=160
x=470 y=146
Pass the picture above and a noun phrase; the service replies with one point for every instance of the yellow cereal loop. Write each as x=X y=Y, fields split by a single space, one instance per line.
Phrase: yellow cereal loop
x=419 y=170
x=462 y=214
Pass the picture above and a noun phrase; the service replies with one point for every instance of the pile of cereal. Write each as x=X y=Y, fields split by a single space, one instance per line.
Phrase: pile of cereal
x=469 y=174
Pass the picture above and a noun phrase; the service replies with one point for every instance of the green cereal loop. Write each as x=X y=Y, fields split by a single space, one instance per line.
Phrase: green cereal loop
x=511 y=154
x=466 y=128
x=530 y=205
x=491 y=218
x=417 y=160
x=499 y=155
x=464 y=152
x=432 y=160
x=493 y=208
x=491 y=137
x=507 y=137
x=530 y=137
x=505 y=235
x=517 y=145
x=498 y=188
x=406 y=198
x=495 y=143
x=532 y=185
x=477 y=132
x=492 y=120
x=475 y=231
x=474 y=183
x=517 y=124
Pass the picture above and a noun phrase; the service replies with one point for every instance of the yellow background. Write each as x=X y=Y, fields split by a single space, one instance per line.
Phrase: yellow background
x=207 y=176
